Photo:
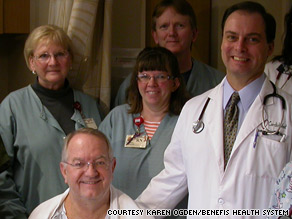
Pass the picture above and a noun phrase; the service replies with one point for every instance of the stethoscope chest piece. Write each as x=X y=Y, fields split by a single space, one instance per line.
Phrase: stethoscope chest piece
x=198 y=126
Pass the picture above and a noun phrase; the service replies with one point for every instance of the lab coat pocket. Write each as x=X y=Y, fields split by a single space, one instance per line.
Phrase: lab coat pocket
x=267 y=158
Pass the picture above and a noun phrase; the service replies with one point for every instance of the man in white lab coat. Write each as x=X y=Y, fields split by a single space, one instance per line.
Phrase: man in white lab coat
x=195 y=159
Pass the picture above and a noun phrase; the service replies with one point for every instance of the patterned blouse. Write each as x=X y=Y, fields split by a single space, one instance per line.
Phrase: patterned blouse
x=282 y=194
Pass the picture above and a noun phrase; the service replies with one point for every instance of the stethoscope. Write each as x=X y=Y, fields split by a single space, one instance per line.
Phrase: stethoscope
x=265 y=122
x=286 y=69
x=198 y=126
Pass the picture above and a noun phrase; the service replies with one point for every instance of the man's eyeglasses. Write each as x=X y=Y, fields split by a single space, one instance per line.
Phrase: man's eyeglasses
x=46 y=57
x=144 y=78
x=82 y=165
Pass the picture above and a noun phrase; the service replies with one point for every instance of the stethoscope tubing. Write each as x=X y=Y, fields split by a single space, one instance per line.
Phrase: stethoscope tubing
x=199 y=125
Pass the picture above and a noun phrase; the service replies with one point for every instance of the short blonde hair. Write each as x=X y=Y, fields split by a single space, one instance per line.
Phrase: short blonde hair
x=47 y=33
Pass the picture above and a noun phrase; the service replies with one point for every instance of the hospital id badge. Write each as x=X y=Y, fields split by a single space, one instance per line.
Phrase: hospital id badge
x=136 y=142
x=90 y=123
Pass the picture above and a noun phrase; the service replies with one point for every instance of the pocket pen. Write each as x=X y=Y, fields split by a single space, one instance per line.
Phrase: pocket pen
x=255 y=138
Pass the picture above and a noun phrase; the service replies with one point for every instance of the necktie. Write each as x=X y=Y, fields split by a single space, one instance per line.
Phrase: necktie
x=230 y=126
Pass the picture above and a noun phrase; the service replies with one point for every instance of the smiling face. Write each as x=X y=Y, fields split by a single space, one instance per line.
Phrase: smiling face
x=244 y=48
x=156 y=94
x=51 y=74
x=174 y=32
x=88 y=183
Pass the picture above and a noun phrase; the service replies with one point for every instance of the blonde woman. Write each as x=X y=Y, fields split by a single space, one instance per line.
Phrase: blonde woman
x=34 y=121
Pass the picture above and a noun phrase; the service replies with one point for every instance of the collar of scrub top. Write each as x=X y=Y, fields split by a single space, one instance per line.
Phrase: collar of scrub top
x=247 y=96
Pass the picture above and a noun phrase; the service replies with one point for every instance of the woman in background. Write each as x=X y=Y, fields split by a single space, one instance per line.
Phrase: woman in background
x=34 y=121
x=140 y=131
x=279 y=70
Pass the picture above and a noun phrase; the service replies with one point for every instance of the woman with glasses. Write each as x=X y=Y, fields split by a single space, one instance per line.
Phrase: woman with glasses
x=34 y=121
x=140 y=130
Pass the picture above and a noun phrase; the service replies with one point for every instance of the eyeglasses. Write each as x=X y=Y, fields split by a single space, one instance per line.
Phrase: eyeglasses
x=144 y=78
x=85 y=165
x=46 y=57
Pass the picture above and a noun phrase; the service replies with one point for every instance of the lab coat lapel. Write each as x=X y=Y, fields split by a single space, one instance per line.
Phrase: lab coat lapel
x=214 y=119
x=254 y=116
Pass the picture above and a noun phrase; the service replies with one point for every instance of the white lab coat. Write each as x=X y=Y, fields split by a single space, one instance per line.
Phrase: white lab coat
x=196 y=161
x=272 y=73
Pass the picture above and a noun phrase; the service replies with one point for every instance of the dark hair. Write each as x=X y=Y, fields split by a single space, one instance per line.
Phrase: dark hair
x=286 y=55
x=254 y=7
x=180 y=6
x=159 y=59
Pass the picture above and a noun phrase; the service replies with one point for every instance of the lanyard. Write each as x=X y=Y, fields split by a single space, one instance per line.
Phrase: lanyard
x=78 y=107
x=138 y=121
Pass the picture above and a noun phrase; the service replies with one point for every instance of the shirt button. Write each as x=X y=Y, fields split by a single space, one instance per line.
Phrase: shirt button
x=220 y=201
